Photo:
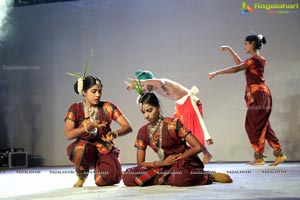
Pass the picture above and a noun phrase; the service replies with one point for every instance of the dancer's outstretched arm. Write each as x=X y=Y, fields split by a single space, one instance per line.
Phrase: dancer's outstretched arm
x=148 y=85
x=229 y=70
x=162 y=86
x=234 y=55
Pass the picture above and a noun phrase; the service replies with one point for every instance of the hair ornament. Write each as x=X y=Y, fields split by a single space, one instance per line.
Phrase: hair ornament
x=97 y=82
x=137 y=85
x=81 y=76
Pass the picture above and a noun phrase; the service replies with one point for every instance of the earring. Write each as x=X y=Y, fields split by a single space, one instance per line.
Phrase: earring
x=160 y=116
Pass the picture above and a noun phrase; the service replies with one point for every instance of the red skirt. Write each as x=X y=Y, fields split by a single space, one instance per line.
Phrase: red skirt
x=107 y=167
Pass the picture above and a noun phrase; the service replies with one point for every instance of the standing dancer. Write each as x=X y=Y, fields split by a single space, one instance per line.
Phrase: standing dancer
x=258 y=99
x=188 y=107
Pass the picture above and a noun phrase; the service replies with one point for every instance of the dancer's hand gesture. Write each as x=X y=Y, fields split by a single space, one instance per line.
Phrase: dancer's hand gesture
x=224 y=48
x=211 y=75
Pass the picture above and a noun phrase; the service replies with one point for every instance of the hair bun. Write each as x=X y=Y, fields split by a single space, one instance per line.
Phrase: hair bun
x=262 y=39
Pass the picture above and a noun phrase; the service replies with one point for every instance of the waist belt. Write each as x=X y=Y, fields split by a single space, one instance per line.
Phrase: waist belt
x=251 y=89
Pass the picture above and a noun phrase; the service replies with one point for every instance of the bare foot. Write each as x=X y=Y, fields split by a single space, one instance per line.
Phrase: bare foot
x=258 y=161
x=222 y=178
x=206 y=157
x=79 y=183
x=278 y=160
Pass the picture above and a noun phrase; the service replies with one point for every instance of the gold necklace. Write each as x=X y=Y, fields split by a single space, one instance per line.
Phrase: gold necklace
x=152 y=130
x=93 y=115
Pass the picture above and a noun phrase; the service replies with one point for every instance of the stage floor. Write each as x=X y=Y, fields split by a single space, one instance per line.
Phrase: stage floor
x=249 y=182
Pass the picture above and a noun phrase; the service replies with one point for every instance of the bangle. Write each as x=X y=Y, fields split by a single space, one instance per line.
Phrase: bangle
x=115 y=134
x=85 y=128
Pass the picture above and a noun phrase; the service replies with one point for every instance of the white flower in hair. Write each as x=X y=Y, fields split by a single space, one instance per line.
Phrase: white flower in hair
x=138 y=100
x=81 y=76
x=80 y=86
x=260 y=37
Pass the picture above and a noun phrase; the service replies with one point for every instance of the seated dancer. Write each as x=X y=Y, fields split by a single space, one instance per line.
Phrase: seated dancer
x=88 y=122
x=178 y=163
x=188 y=107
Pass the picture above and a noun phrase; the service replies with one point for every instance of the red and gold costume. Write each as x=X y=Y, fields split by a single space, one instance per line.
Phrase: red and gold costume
x=185 y=172
x=90 y=151
x=259 y=103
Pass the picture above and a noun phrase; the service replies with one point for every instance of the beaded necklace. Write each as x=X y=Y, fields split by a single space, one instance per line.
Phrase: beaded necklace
x=152 y=130
x=93 y=115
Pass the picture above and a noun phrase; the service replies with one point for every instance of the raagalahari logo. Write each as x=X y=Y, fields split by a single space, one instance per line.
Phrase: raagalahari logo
x=271 y=8
x=246 y=8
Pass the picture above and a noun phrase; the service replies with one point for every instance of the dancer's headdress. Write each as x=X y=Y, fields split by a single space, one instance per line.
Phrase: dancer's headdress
x=144 y=75
x=137 y=85
x=81 y=76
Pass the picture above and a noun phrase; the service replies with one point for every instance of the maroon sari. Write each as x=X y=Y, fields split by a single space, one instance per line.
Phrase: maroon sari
x=89 y=151
x=185 y=172
x=259 y=102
